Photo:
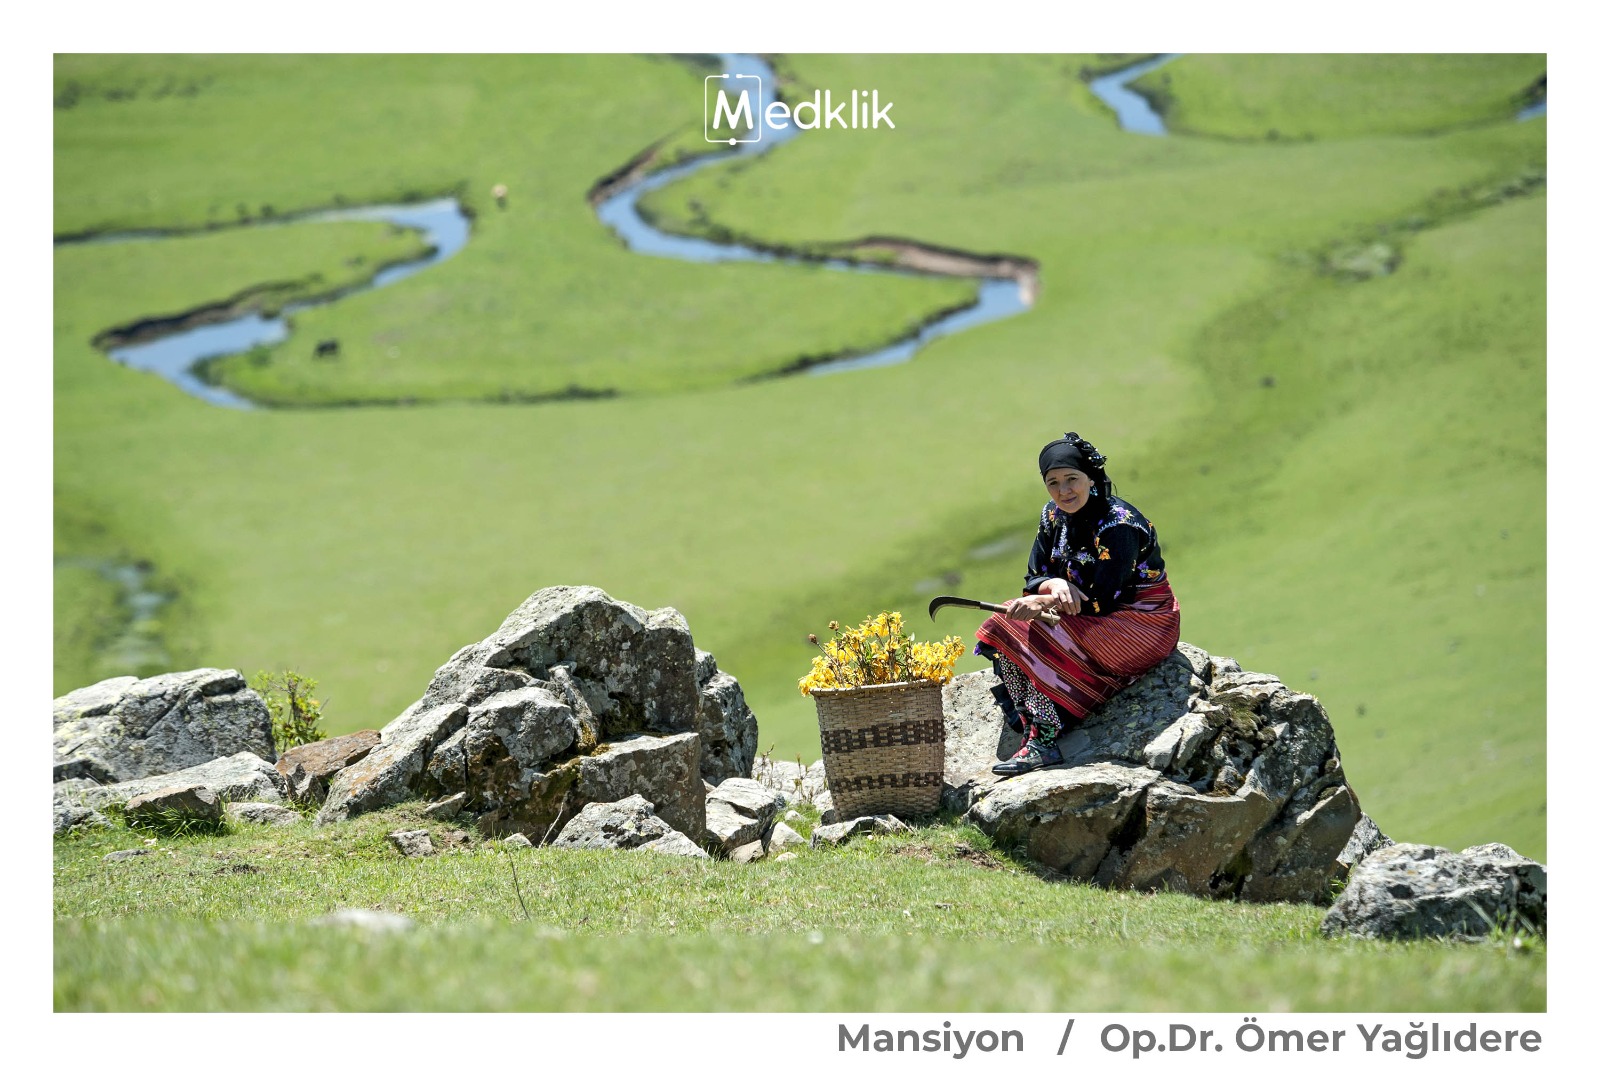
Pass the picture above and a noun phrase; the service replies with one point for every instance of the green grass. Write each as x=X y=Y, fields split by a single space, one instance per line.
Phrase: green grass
x=935 y=921
x=1300 y=97
x=1334 y=528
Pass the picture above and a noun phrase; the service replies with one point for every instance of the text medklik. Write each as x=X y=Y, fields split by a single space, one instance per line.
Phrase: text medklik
x=865 y=112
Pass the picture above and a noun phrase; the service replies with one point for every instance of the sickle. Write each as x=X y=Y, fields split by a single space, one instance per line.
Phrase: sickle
x=1048 y=617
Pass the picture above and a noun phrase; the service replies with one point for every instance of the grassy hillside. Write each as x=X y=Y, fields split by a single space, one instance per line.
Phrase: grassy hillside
x=1369 y=525
x=1302 y=97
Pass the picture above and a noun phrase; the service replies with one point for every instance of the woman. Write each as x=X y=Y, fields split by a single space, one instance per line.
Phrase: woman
x=1095 y=564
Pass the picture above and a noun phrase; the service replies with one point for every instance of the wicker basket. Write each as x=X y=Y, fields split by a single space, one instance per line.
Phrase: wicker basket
x=883 y=747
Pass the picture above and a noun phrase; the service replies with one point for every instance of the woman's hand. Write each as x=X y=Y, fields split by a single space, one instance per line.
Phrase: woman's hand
x=1028 y=608
x=1064 y=597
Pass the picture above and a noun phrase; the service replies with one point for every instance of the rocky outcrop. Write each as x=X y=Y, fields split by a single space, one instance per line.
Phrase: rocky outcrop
x=1417 y=891
x=309 y=767
x=1200 y=777
x=124 y=728
x=576 y=698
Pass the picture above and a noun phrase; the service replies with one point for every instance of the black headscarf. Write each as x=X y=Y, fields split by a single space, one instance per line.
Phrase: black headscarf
x=1062 y=452
x=1073 y=452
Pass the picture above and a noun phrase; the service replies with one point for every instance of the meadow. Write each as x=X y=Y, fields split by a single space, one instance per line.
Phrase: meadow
x=1347 y=472
x=937 y=921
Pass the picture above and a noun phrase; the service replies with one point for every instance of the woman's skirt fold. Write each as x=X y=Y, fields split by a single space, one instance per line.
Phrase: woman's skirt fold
x=1085 y=659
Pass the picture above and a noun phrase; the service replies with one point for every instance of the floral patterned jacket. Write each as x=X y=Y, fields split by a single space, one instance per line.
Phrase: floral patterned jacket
x=1108 y=550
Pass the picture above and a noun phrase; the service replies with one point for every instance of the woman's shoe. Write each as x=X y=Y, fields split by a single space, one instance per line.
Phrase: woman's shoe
x=1034 y=755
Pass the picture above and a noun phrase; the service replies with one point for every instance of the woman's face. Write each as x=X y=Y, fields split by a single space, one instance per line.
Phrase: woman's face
x=1068 y=487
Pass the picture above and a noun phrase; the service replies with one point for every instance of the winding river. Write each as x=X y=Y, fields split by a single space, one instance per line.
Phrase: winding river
x=444 y=228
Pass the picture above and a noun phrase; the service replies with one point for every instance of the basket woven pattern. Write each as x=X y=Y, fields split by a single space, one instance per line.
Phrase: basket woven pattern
x=883 y=747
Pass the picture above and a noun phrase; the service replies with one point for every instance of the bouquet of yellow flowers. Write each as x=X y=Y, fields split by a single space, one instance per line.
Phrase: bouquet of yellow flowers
x=879 y=652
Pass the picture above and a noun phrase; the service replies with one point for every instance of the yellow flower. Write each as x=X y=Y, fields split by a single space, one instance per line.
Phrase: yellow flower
x=878 y=651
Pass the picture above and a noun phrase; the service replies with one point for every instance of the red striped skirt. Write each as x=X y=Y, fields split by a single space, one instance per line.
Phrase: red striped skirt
x=1086 y=659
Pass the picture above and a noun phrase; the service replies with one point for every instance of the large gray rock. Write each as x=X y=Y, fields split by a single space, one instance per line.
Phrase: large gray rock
x=628 y=823
x=750 y=798
x=727 y=728
x=124 y=728
x=241 y=778
x=576 y=698
x=1200 y=777
x=1417 y=891
x=1067 y=819
x=643 y=661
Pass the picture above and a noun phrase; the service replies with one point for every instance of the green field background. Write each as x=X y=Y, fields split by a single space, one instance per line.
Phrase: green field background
x=1348 y=474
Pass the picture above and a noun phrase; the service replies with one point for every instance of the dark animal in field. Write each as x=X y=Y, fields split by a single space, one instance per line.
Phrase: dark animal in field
x=327 y=349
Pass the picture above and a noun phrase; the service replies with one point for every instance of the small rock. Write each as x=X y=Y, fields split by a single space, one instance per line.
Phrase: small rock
x=455 y=838
x=785 y=857
x=868 y=825
x=749 y=797
x=446 y=808
x=782 y=839
x=370 y=921
x=306 y=769
x=675 y=843
x=240 y=778
x=727 y=830
x=517 y=840
x=751 y=852
x=131 y=853
x=623 y=825
x=263 y=813
x=191 y=804
x=413 y=843
x=1366 y=839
